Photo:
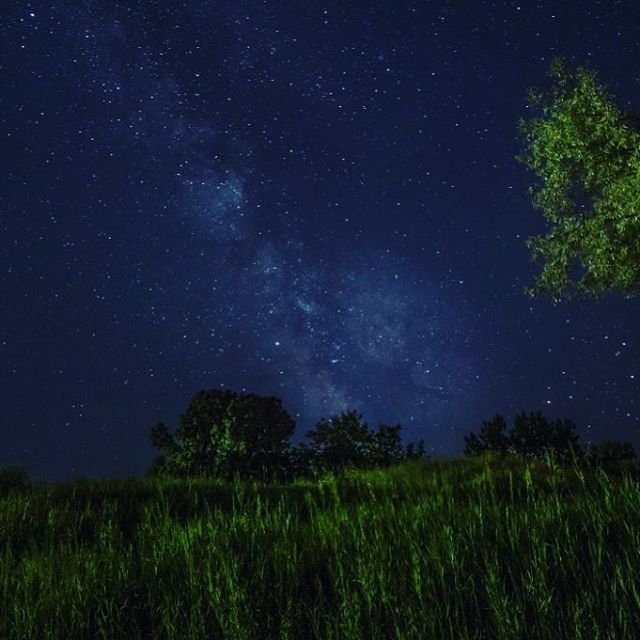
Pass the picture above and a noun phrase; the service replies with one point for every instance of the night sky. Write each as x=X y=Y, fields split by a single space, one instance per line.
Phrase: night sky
x=318 y=201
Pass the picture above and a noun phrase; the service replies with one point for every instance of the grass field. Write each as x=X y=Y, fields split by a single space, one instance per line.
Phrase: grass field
x=425 y=550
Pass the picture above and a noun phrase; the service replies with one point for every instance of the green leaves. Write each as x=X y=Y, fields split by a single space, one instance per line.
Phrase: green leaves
x=585 y=153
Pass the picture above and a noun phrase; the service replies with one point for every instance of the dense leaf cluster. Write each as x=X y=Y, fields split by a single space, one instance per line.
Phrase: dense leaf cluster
x=585 y=152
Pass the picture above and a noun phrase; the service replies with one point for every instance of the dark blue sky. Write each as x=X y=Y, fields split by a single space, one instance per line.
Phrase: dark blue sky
x=318 y=201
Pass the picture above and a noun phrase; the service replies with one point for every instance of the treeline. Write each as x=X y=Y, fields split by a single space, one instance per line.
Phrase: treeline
x=534 y=435
x=225 y=434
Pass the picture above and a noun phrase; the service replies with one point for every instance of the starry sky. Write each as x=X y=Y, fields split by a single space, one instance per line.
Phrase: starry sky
x=315 y=200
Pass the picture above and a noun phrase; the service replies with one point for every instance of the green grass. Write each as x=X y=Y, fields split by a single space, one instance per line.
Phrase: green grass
x=442 y=549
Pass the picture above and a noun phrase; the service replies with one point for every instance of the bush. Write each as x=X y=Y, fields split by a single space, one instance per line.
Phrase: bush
x=12 y=477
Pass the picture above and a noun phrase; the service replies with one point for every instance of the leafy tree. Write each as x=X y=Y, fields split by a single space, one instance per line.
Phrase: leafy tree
x=387 y=446
x=345 y=440
x=222 y=433
x=585 y=152
x=534 y=435
x=342 y=441
x=492 y=437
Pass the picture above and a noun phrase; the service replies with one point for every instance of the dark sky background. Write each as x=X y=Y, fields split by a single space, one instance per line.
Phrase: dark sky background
x=316 y=200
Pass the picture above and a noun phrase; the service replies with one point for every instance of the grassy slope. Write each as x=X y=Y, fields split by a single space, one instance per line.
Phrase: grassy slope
x=457 y=549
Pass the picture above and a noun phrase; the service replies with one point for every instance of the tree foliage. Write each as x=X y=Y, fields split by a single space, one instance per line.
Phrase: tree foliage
x=492 y=437
x=222 y=433
x=387 y=446
x=342 y=441
x=585 y=152
x=345 y=440
x=534 y=435
x=609 y=454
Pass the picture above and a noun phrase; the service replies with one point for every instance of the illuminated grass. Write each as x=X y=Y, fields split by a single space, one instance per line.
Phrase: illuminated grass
x=449 y=549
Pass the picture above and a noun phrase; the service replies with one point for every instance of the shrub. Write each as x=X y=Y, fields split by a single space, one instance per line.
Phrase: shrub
x=12 y=477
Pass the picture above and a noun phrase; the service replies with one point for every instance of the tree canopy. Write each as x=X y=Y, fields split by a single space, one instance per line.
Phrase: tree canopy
x=223 y=432
x=345 y=441
x=342 y=441
x=585 y=152
x=491 y=437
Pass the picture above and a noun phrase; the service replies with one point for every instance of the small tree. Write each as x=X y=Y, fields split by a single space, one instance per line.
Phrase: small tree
x=492 y=437
x=345 y=440
x=531 y=435
x=534 y=435
x=387 y=446
x=342 y=441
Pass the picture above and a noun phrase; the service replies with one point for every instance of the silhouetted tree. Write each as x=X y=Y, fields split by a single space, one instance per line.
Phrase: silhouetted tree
x=566 y=443
x=534 y=435
x=492 y=437
x=222 y=433
x=342 y=441
x=415 y=451
x=345 y=440
x=386 y=446
x=531 y=435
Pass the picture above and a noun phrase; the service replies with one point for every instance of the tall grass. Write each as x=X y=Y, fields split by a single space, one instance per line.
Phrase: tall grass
x=450 y=549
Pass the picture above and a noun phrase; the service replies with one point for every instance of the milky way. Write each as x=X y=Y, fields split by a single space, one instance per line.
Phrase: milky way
x=316 y=201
